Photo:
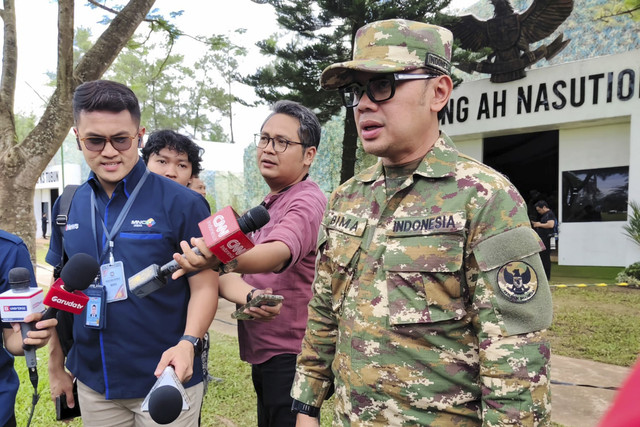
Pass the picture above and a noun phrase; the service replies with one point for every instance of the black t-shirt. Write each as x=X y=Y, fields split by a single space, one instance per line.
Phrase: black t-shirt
x=546 y=233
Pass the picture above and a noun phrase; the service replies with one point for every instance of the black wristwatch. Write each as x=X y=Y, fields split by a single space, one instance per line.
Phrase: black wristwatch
x=303 y=408
x=197 y=342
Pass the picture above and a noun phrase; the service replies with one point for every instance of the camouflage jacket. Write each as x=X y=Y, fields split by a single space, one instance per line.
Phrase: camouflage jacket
x=430 y=305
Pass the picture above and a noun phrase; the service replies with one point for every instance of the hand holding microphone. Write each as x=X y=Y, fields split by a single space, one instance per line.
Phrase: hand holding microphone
x=20 y=305
x=221 y=243
x=224 y=235
x=40 y=331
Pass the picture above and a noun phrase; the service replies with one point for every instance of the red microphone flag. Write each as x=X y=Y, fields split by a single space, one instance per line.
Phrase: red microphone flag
x=57 y=297
x=223 y=235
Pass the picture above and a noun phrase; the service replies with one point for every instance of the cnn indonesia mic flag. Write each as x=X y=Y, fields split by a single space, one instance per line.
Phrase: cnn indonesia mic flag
x=224 y=233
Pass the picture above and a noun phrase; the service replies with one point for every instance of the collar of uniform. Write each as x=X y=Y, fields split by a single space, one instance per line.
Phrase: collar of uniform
x=439 y=162
x=129 y=182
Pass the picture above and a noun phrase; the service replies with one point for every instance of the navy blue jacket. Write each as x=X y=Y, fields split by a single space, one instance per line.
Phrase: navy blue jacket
x=120 y=359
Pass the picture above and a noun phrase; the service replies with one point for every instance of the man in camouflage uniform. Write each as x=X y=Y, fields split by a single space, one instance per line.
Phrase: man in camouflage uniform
x=430 y=300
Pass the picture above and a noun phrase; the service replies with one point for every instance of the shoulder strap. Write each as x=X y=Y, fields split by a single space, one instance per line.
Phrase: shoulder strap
x=64 y=206
x=64 y=328
x=61 y=221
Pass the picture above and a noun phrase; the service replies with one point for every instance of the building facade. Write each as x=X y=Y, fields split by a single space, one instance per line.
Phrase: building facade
x=48 y=188
x=570 y=134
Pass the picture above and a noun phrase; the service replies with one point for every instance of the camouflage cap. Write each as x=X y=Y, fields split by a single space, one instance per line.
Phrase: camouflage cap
x=390 y=46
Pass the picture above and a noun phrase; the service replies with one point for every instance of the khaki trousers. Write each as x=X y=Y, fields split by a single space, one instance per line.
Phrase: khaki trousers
x=100 y=412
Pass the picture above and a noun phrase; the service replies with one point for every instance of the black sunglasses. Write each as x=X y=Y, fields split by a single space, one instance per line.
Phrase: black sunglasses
x=97 y=143
x=378 y=89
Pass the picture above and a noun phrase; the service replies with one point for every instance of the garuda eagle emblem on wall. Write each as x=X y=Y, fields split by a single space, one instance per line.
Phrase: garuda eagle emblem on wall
x=509 y=35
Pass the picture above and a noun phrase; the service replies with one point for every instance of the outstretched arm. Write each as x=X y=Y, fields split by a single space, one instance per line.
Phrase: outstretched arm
x=265 y=257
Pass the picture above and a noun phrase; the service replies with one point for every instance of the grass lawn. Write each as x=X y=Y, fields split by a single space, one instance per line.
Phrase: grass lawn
x=596 y=323
x=229 y=403
x=601 y=324
x=41 y=251
x=572 y=274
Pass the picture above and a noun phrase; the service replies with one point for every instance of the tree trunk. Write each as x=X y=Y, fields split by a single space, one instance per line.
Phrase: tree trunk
x=349 y=146
x=350 y=141
x=22 y=163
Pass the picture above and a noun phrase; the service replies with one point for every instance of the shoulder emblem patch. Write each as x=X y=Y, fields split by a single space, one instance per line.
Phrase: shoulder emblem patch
x=518 y=281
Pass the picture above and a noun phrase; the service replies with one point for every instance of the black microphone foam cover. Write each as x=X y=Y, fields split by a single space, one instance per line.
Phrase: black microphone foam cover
x=165 y=404
x=78 y=273
x=19 y=277
x=253 y=219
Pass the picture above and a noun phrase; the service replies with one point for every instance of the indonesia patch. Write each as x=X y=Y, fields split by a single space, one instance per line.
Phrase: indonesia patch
x=518 y=281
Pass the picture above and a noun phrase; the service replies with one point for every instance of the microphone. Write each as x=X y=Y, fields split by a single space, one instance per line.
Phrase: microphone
x=165 y=404
x=20 y=301
x=65 y=293
x=224 y=234
x=167 y=398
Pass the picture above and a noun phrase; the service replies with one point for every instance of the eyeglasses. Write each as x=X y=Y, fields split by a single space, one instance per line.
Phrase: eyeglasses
x=97 y=143
x=279 y=143
x=378 y=89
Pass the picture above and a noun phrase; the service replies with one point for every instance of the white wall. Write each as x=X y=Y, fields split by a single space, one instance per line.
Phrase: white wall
x=598 y=127
x=633 y=250
x=593 y=243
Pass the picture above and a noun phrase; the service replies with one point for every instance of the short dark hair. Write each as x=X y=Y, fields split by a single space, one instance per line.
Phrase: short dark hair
x=310 y=129
x=541 y=204
x=105 y=95
x=172 y=140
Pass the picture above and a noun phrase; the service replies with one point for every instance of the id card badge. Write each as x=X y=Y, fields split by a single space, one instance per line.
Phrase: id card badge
x=95 y=313
x=112 y=278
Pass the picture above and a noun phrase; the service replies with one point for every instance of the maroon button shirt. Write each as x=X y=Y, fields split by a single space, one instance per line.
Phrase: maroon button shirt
x=295 y=220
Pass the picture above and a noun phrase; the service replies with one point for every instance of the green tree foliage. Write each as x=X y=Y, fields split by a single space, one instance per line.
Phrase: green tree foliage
x=177 y=96
x=24 y=125
x=631 y=274
x=612 y=8
x=156 y=81
x=22 y=162
x=632 y=229
x=224 y=58
x=172 y=95
x=324 y=31
x=325 y=169
x=204 y=96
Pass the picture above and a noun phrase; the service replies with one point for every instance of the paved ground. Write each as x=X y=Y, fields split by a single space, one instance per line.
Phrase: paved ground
x=573 y=406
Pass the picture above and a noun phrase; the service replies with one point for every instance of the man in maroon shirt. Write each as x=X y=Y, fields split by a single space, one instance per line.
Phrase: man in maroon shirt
x=282 y=262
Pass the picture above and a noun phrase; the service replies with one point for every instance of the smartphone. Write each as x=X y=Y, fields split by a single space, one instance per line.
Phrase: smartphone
x=262 y=299
x=63 y=412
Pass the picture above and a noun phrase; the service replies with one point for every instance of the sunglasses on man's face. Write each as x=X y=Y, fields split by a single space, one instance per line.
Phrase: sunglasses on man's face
x=378 y=89
x=97 y=143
